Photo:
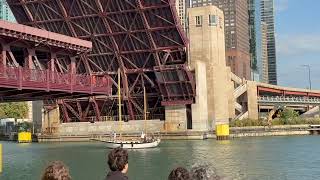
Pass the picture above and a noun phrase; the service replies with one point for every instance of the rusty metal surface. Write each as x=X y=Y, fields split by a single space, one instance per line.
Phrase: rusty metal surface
x=40 y=65
x=28 y=33
x=141 y=37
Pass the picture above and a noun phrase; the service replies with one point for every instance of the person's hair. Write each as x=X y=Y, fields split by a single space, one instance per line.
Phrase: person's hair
x=117 y=159
x=56 y=171
x=179 y=173
x=203 y=172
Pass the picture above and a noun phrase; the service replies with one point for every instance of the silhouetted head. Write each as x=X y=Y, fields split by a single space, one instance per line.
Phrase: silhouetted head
x=118 y=160
x=203 y=172
x=179 y=173
x=56 y=171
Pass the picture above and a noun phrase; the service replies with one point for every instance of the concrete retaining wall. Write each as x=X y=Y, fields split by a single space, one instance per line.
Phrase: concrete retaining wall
x=87 y=128
x=277 y=133
x=256 y=131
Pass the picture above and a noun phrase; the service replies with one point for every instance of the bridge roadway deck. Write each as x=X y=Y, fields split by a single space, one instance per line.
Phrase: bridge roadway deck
x=288 y=100
x=36 y=64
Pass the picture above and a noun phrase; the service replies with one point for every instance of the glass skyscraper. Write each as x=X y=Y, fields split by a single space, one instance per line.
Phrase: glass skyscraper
x=265 y=41
x=5 y=12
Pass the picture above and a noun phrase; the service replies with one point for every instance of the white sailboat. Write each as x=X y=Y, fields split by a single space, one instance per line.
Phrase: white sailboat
x=139 y=144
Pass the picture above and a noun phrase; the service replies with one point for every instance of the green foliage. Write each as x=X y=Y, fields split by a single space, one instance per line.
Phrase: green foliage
x=24 y=127
x=17 y=110
x=289 y=116
x=247 y=122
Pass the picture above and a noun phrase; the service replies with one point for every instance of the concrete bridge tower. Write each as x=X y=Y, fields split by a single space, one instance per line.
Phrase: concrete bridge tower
x=207 y=49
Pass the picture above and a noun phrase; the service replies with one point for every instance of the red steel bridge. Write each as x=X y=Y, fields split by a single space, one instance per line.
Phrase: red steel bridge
x=142 y=38
x=39 y=65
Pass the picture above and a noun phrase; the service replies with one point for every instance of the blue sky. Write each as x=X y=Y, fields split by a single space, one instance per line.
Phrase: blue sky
x=298 y=42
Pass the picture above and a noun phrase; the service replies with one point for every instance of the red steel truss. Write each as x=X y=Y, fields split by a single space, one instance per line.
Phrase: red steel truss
x=141 y=37
x=38 y=65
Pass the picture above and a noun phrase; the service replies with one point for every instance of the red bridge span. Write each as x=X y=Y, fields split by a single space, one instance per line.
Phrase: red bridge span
x=142 y=38
x=39 y=65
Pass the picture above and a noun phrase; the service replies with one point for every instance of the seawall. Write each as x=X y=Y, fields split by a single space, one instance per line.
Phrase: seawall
x=86 y=131
x=257 y=131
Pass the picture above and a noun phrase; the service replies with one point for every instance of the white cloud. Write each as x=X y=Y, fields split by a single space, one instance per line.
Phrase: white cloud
x=290 y=45
x=281 y=5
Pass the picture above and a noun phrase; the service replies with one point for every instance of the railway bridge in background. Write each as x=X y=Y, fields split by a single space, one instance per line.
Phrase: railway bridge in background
x=253 y=99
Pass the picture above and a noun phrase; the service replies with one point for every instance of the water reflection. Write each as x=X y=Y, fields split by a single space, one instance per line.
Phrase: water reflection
x=250 y=158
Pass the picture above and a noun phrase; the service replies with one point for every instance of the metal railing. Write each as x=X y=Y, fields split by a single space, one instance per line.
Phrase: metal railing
x=293 y=100
x=124 y=118
x=19 y=77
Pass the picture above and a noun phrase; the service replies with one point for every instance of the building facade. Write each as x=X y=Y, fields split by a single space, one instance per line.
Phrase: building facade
x=252 y=35
x=5 y=12
x=236 y=33
x=265 y=30
x=181 y=10
x=264 y=53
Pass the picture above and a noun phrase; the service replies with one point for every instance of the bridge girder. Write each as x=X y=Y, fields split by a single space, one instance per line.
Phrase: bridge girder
x=142 y=38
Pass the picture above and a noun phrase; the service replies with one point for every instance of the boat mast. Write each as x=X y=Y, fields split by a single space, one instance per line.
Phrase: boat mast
x=119 y=103
x=145 y=109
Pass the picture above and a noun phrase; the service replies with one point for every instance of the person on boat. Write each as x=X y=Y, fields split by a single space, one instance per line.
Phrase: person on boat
x=179 y=173
x=56 y=170
x=203 y=172
x=114 y=136
x=118 y=164
x=143 y=137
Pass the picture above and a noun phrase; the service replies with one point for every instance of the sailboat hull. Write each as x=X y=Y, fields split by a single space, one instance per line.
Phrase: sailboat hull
x=133 y=145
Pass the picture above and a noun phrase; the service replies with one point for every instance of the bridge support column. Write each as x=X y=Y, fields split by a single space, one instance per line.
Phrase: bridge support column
x=175 y=118
x=220 y=95
x=28 y=62
x=252 y=100
x=200 y=108
x=45 y=120
x=51 y=120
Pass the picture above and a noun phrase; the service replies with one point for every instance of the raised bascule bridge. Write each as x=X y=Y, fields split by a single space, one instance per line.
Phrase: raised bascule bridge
x=142 y=38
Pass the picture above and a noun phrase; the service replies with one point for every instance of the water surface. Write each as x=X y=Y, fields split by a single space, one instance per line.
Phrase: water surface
x=295 y=157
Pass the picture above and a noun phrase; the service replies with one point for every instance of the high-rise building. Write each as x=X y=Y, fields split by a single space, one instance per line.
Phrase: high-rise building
x=252 y=35
x=236 y=33
x=181 y=10
x=264 y=77
x=5 y=12
x=265 y=30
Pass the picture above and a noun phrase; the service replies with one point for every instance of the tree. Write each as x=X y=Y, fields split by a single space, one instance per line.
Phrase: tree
x=24 y=127
x=288 y=115
x=17 y=110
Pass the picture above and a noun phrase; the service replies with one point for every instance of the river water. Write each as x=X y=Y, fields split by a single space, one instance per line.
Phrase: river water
x=294 y=157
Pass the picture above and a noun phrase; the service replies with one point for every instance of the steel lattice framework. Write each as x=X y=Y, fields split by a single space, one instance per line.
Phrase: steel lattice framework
x=141 y=37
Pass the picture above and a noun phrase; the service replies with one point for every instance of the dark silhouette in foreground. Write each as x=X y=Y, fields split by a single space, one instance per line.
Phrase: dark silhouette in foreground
x=118 y=164
x=179 y=173
x=56 y=171
x=203 y=172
